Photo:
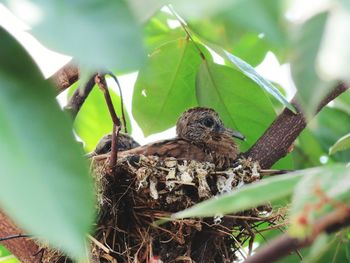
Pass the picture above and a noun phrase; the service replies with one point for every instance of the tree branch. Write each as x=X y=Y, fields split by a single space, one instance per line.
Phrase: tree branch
x=277 y=140
x=285 y=244
x=101 y=82
x=23 y=248
x=65 y=77
x=79 y=97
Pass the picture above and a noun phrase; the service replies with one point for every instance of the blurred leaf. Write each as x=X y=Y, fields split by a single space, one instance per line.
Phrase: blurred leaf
x=158 y=31
x=39 y=157
x=4 y=252
x=98 y=34
x=9 y=259
x=334 y=52
x=284 y=163
x=165 y=86
x=241 y=104
x=342 y=144
x=328 y=126
x=248 y=196
x=311 y=89
x=309 y=203
x=265 y=17
x=308 y=150
x=94 y=120
x=343 y=102
x=334 y=248
x=144 y=9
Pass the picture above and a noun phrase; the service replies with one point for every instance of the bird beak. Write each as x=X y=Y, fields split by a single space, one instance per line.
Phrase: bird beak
x=235 y=134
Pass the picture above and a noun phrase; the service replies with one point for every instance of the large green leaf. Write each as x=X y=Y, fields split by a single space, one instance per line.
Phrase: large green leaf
x=96 y=33
x=342 y=144
x=250 y=72
x=165 y=87
x=45 y=183
x=265 y=17
x=246 y=197
x=241 y=104
x=189 y=9
x=307 y=39
x=94 y=120
x=308 y=150
x=158 y=31
x=312 y=192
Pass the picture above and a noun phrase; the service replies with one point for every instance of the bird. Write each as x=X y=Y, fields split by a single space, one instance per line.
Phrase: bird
x=200 y=136
x=125 y=142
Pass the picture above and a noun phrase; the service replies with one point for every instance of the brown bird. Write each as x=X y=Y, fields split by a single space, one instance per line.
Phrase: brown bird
x=125 y=142
x=201 y=136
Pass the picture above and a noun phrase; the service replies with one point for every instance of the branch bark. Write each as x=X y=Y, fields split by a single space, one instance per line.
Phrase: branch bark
x=23 y=248
x=285 y=244
x=79 y=97
x=65 y=77
x=277 y=140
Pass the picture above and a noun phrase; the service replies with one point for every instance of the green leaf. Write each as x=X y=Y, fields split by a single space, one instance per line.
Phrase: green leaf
x=250 y=72
x=158 y=32
x=144 y=9
x=328 y=126
x=342 y=144
x=94 y=120
x=308 y=150
x=248 y=196
x=241 y=104
x=98 y=34
x=307 y=39
x=165 y=86
x=265 y=17
x=309 y=203
x=45 y=182
x=333 y=248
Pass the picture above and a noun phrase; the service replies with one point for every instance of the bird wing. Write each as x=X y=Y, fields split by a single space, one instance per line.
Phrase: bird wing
x=178 y=148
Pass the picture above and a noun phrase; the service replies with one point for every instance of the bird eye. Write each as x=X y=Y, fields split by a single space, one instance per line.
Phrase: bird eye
x=208 y=122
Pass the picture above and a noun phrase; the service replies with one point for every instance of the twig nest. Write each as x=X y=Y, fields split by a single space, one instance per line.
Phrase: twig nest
x=145 y=190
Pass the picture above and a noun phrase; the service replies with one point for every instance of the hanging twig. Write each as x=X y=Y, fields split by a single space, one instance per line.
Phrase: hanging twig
x=101 y=82
x=121 y=99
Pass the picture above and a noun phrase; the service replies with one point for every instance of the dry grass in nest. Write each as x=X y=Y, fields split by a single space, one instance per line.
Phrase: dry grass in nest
x=146 y=190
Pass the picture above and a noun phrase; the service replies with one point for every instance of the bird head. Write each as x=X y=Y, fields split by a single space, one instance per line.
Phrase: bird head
x=200 y=125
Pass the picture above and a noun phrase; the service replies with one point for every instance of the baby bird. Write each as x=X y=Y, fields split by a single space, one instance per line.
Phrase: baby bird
x=201 y=136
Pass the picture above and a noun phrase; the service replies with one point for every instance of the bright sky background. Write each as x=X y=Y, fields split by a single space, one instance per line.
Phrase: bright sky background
x=49 y=61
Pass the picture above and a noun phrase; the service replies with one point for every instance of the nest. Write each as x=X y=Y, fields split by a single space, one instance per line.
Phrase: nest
x=135 y=200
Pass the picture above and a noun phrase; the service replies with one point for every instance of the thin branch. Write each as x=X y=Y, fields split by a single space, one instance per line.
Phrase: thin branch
x=285 y=244
x=101 y=82
x=65 y=77
x=79 y=97
x=278 y=139
x=14 y=237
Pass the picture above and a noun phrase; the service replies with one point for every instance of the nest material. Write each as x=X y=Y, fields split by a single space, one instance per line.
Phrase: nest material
x=146 y=190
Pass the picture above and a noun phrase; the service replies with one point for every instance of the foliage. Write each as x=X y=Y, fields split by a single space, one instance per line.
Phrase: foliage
x=188 y=54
